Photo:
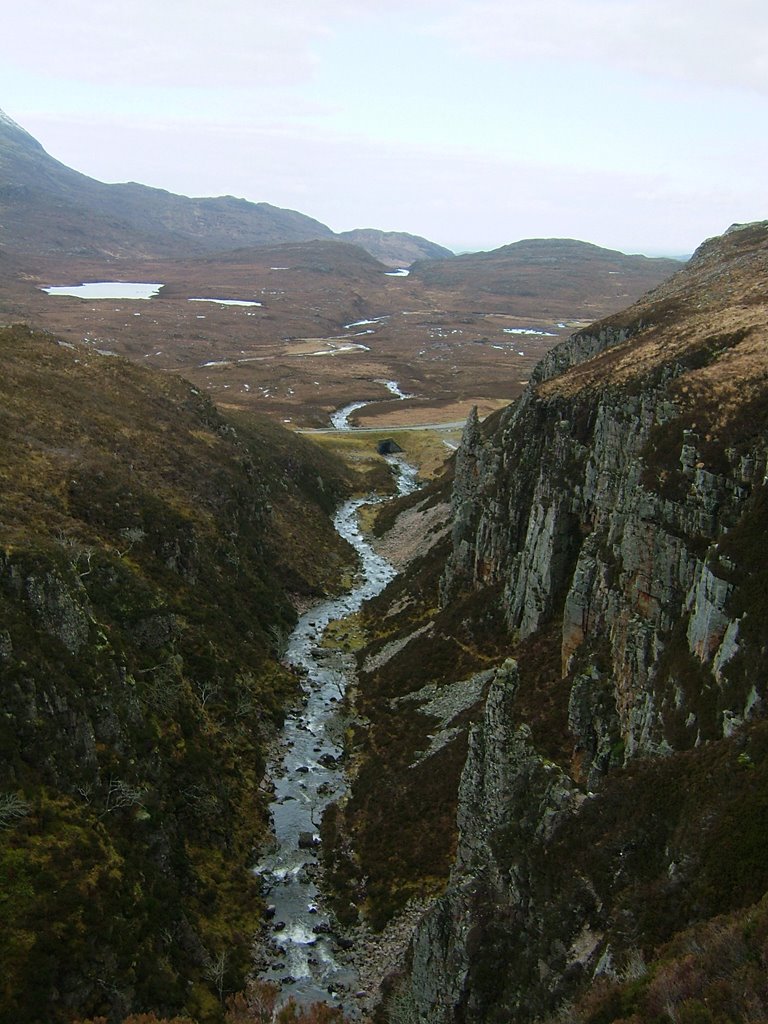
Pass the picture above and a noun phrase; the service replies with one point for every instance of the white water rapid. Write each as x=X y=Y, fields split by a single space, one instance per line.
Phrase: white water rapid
x=304 y=941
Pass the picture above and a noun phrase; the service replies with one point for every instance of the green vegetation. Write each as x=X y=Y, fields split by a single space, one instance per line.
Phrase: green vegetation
x=397 y=829
x=423 y=448
x=148 y=548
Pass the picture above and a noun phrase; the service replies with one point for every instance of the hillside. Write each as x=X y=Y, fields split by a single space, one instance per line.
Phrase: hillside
x=395 y=248
x=562 y=702
x=149 y=553
x=564 y=276
x=46 y=208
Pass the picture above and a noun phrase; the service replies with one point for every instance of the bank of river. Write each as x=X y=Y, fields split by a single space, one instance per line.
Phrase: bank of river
x=304 y=951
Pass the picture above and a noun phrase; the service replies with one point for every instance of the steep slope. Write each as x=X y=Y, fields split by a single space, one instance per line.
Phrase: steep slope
x=45 y=208
x=566 y=277
x=606 y=532
x=395 y=248
x=148 y=548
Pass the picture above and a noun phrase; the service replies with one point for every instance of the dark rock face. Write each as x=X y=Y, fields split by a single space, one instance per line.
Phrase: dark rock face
x=388 y=447
x=619 y=499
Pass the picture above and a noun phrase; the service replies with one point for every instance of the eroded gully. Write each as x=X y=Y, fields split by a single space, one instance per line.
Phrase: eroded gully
x=303 y=949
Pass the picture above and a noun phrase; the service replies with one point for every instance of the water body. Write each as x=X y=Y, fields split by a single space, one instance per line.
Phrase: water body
x=107 y=290
x=340 y=418
x=304 y=939
x=394 y=387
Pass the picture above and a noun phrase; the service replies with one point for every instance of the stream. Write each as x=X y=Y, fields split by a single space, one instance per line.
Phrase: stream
x=303 y=944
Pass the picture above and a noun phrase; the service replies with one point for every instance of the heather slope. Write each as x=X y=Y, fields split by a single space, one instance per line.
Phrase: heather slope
x=149 y=549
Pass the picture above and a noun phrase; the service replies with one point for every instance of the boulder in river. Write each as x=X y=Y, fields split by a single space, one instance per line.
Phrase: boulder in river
x=308 y=841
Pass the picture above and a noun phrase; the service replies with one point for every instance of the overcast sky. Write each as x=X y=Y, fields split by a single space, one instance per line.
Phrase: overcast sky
x=637 y=124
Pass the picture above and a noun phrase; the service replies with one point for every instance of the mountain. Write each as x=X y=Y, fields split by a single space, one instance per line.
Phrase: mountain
x=562 y=743
x=47 y=208
x=148 y=546
x=395 y=248
x=567 y=277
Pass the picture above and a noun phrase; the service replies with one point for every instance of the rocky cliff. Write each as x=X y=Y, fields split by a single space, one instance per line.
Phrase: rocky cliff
x=613 y=517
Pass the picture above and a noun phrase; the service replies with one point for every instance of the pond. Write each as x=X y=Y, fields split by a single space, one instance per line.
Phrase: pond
x=107 y=290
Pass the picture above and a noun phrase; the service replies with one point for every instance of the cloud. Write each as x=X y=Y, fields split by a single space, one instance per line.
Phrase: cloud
x=178 y=43
x=716 y=42
x=174 y=43
x=241 y=44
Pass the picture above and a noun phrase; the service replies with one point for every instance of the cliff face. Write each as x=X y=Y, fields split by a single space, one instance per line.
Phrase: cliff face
x=617 y=503
x=603 y=498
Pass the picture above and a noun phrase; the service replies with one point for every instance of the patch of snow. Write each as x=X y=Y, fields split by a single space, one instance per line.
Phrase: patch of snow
x=363 y=323
x=339 y=348
x=402 y=272
x=4 y=119
x=229 y=302
x=215 y=362
x=529 y=330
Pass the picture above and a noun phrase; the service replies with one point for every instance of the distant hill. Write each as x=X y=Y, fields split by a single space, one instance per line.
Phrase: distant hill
x=318 y=256
x=395 y=248
x=46 y=208
x=571 y=277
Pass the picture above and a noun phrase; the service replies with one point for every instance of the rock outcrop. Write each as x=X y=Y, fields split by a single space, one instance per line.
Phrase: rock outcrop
x=618 y=503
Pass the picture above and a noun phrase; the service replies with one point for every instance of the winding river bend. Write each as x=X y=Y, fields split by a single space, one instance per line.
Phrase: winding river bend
x=303 y=946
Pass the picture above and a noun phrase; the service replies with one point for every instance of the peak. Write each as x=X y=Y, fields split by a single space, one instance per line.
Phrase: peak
x=10 y=123
x=736 y=227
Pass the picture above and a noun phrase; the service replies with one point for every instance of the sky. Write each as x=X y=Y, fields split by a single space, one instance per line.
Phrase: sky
x=641 y=125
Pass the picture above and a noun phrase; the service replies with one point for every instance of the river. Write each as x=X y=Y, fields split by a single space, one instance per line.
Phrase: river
x=304 y=941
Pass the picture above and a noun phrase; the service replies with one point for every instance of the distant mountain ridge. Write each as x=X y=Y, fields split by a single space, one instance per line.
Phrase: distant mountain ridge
x=46 y=208
x=578 y=278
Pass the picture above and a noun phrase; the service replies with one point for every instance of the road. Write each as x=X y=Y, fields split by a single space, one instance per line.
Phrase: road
x=455 y=425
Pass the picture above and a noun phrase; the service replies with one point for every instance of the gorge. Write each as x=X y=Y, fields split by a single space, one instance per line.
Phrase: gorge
x=553 y=739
